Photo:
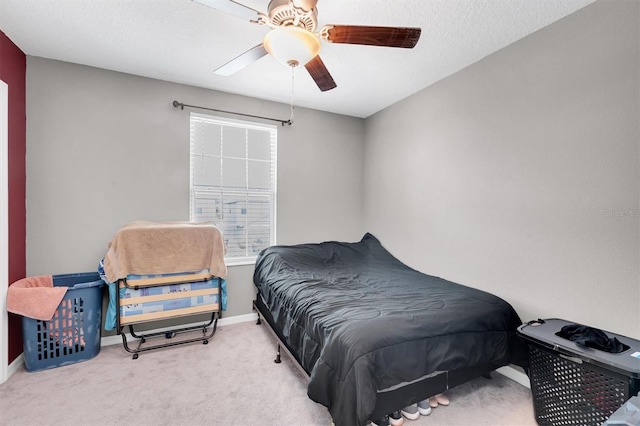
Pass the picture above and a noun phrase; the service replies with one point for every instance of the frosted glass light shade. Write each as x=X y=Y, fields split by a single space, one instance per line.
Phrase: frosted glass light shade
x=292 y=46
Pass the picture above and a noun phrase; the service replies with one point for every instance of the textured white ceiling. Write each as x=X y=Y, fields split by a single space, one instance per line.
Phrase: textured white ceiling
x=182 y=41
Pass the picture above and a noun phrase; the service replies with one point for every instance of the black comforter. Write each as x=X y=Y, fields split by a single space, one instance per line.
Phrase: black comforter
x=359 y=321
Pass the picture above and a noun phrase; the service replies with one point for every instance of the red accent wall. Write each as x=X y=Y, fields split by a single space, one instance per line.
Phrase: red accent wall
x=13 y=68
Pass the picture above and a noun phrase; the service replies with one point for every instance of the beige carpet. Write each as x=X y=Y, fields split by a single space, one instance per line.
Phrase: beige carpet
x=231 y=381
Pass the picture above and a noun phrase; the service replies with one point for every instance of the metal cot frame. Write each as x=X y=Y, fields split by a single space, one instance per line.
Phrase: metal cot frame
x=130 y=321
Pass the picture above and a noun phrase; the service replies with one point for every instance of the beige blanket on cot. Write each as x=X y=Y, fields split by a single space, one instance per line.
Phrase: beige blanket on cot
x=146 y=248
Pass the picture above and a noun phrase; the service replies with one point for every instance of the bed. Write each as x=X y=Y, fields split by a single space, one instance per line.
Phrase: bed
x=374 y=335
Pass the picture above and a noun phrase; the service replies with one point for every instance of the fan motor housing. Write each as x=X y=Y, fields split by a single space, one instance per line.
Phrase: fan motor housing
x=299 y=13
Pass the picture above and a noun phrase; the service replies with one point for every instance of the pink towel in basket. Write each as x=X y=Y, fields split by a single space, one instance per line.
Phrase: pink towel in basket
x=35 y=297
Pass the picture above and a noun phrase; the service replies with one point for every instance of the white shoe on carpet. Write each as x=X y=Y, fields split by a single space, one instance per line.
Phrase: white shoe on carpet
x=424 y=408
x=411 y=412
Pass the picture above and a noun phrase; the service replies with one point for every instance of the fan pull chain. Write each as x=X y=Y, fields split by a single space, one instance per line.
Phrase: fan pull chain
x=292 y=86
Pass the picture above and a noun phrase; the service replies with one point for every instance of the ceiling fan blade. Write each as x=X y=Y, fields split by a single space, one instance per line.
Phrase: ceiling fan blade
x=320 y=74
x=238 y=63
x=229 y=6
x=373 y=36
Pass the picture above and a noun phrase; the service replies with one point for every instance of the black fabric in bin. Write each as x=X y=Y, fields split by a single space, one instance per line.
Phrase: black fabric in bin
x=591 y=337
x=573 y=384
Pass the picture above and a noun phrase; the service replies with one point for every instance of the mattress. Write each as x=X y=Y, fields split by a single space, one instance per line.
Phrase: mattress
x=360 y=321
x=135 y=302
x=134 y=308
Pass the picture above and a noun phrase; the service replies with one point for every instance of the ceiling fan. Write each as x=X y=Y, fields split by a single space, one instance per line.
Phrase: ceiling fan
x=293 y=40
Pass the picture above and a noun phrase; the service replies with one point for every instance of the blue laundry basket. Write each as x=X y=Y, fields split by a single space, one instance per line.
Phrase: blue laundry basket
x=73 y=334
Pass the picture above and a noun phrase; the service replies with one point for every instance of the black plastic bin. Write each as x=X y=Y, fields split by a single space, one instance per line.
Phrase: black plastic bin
x=573 y=384
x=73 y=335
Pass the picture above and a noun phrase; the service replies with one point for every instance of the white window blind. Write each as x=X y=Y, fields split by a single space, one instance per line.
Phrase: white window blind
x=233 y=182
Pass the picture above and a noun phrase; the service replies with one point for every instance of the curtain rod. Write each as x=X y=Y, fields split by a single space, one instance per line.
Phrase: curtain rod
x=177 y=104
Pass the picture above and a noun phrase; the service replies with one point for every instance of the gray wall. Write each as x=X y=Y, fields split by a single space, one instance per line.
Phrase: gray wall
x=519 y=175
x=106 y=148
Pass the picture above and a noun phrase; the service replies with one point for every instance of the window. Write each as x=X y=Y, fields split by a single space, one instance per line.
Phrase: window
x=233 y=182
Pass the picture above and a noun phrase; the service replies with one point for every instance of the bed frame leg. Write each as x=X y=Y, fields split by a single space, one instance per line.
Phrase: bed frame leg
x=253 y=306
x=278 y=360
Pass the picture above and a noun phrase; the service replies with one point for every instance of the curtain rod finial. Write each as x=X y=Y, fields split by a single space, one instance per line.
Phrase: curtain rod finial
x=177 y=104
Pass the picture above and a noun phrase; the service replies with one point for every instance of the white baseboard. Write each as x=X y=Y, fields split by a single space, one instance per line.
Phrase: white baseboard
x=237 y=319
x=117 y=339
x=15 y=365
x=514 y=374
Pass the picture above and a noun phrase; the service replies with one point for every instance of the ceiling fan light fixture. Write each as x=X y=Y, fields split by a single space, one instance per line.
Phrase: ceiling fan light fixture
x=292 y=46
